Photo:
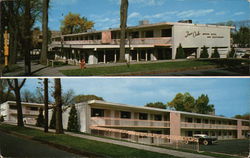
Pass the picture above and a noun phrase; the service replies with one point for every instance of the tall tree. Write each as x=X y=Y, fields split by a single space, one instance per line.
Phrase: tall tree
x=5 y=91
x=85 y=98
x=158 y=105
x=123 y=22
x=16 y=87
x=73 y=124
x=27 y=37
x=58 y=102
x=202 y=105
x=46 y=105
x=73 y=23
x=180 y=53
x=40 y=119
x=216 y=53
x=204 y=52
x=44 y=54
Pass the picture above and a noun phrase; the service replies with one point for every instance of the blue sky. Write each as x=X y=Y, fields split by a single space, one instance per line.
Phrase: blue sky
x=105 y=13
x=229 y=95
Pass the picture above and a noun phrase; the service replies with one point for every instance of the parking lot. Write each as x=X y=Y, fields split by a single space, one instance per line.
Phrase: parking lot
x=233 y=147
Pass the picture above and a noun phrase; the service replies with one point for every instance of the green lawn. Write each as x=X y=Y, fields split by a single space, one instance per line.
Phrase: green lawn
x=138 y=68
x=156 y=68
x=90 y=146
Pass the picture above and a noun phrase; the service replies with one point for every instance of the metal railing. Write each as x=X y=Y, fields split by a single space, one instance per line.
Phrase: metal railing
x=207 y=126
x=120 y=122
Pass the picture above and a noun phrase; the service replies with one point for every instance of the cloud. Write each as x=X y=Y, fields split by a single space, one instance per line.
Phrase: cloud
x=194 y=13
x=133 y=15
x=142 y=2
x=239 y=13
x=220 y=13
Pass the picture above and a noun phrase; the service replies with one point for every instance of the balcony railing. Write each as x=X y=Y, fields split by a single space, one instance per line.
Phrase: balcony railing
x=25 y=112
x=245 y=127
x=207 y=126
x=134 y=41
x=120 y=122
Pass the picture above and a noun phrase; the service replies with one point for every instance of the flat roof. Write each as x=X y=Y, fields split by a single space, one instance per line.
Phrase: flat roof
x=98 y=102
x=25 y=103
x=150 y=25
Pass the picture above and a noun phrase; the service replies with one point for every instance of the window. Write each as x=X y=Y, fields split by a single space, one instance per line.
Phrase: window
x=230 y=133
x=166 y=33
x=143 y=116
x=124 y=135
x=12 y=107
x=97 y=113
x=158 y=117
x=219 y=133
x=198 y=120
x=212 y=121
x=135 y=34
x=189 y=119
x=149 y=34
x=206 y=121
x=125 y=114
x=34 y=108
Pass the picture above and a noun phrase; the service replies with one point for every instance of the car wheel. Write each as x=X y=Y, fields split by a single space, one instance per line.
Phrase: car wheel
x=186 y=142
x=205 y=142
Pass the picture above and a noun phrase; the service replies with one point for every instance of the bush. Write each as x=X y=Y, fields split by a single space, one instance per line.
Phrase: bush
x=73 y=124
x=231 y=53
x=1 y=118
x=216 y=53
x=40 y=119
x=180 y=53
x=52 y=124
x=204 y=53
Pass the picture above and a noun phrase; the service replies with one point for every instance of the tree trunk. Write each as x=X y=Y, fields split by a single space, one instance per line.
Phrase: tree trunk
x=18 y=105
x=58 y=100
x=46 y=118
x=1 y=31
x=27 y=37
x=123 y=22
x=44 y=54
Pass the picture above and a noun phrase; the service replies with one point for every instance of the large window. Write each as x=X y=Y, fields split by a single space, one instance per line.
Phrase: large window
x=166 y=33
x=143 y=116
x=97 y=113
x=135 y=34
x=125 y=114
x=149 y=34
x=34 y=108
x=158 y=117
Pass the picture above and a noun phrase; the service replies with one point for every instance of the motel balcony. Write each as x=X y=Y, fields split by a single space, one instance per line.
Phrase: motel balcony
x=161 y=41
x=207 y=126
x=25 y=112
x=245 y=127
x=121 y=122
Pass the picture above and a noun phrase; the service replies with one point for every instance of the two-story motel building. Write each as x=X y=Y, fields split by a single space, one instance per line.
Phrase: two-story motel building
x=152 y=120
x=105 y=115
x=30 y=111
x=145 y=42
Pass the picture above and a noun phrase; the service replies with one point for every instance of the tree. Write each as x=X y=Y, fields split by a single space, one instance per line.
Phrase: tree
x=28 y=96
x=68 y=97
x=202 y=105
x=58 y=102
x=44 y=54
x=5 y=91
x=204 y=53
x=242 y=37
x=40 y=119
x=180 y=53
x=182 y=102
x=46 y=104
x=16 y=87
x=73 y=23
x=158 y=105
x=244 y=117
x=216 y=53
x=73 y=125
x=85 y=98
x=231 y=53
x=123 y=26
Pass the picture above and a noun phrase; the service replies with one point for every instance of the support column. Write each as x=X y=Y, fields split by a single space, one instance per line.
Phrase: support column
x=198 y=52
x=239 y=129
x=137 y=55
x=174 y=52
x=115 y=57
x=92 y=57
x=146 y=54
x=209 y=52
x=104 y=56
x=175 y=123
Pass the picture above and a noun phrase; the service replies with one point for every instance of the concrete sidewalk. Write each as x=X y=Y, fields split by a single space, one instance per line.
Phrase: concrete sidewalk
x=134 y=145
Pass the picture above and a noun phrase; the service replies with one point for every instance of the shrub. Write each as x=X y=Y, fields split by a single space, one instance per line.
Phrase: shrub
x=180 y=53
x=204 y=53
x=231 y=53
x=73 y=124
x=1 y=118
x=216 y=53
x=52 y=124
x=40 y=119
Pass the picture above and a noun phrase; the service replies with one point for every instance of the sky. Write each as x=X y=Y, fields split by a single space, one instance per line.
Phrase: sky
x=105 y=13
x=229 y=95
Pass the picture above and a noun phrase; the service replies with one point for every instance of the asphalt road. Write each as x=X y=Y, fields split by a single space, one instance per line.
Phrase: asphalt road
x=12 y=146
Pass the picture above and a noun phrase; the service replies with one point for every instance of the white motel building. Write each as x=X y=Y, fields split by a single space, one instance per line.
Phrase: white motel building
x=103 y=118
x=145 y=42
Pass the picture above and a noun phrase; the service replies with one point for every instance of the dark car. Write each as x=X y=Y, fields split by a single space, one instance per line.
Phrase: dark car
x=206 y=140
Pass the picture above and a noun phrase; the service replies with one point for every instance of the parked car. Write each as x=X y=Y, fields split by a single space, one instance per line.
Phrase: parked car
x=205 y=139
